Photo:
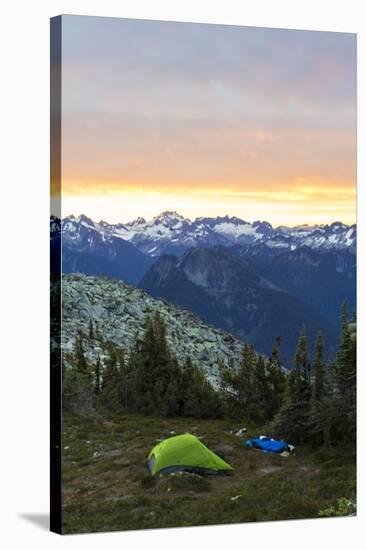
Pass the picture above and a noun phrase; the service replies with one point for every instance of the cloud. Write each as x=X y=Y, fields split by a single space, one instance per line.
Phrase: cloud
x=291 y=64
x=170 y=151
x=159 y=106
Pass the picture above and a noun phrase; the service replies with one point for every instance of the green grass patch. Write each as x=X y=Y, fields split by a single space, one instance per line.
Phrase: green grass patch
x=107 y=487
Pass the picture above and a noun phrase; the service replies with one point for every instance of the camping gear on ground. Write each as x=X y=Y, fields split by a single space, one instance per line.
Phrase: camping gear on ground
x=267 y=444
x=241 y=432
x=185 y=453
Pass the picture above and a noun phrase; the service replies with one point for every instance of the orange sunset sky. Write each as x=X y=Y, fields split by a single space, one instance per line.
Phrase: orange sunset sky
x=207 y=120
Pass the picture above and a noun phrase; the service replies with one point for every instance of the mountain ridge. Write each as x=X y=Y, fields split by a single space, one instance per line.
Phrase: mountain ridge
x=242 y=297
x=169 y=232
x=85 y=249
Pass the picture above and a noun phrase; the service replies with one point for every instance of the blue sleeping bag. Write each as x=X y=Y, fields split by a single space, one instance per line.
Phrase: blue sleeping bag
x=267 y=444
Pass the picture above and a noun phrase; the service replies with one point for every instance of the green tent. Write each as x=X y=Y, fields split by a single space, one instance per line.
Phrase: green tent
x=185 y=453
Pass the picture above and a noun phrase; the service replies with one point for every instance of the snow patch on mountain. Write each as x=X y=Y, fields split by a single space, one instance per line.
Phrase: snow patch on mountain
x=169 y=232
x=234 y=230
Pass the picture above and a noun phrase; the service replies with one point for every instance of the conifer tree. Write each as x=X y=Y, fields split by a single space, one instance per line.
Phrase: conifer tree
x=285 y=422
x=276 y=379
x=244 y=381
x=126 y=395
x=91 y=330
x=97 y=376
x=170 y=404
x=303 y=365
x=154 y=368
x=97 y=331
x=226 y=376
x=81 y=363
x=318 y=370
x=187 y=405
x=345 y=377
x=245 y=386
x=111 y=381
x=319 y=421
x=302 y=388
x=159 y=385
x=261 y=392
x=345 y=372
x=77 y=384
x=292 y=418
x=203 y=400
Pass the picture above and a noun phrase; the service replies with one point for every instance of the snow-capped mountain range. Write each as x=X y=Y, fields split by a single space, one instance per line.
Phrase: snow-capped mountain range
x=248 y=279
x=169 y=232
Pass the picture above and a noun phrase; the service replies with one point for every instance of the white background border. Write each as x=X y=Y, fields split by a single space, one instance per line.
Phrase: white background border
x=24 y=209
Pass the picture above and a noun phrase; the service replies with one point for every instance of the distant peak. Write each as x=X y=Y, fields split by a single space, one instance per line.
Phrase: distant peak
x=231 y=219
x=84 y=219
x=170 y=216
x=140 y=220
x=338 y=225
x=261 y=224
x=221 y=219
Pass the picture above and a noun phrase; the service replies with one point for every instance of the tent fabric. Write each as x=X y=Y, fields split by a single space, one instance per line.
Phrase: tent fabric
x=267 y=444
x=185 y=453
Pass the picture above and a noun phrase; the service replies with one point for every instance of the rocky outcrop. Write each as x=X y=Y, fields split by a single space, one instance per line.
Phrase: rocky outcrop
x=119 y=311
